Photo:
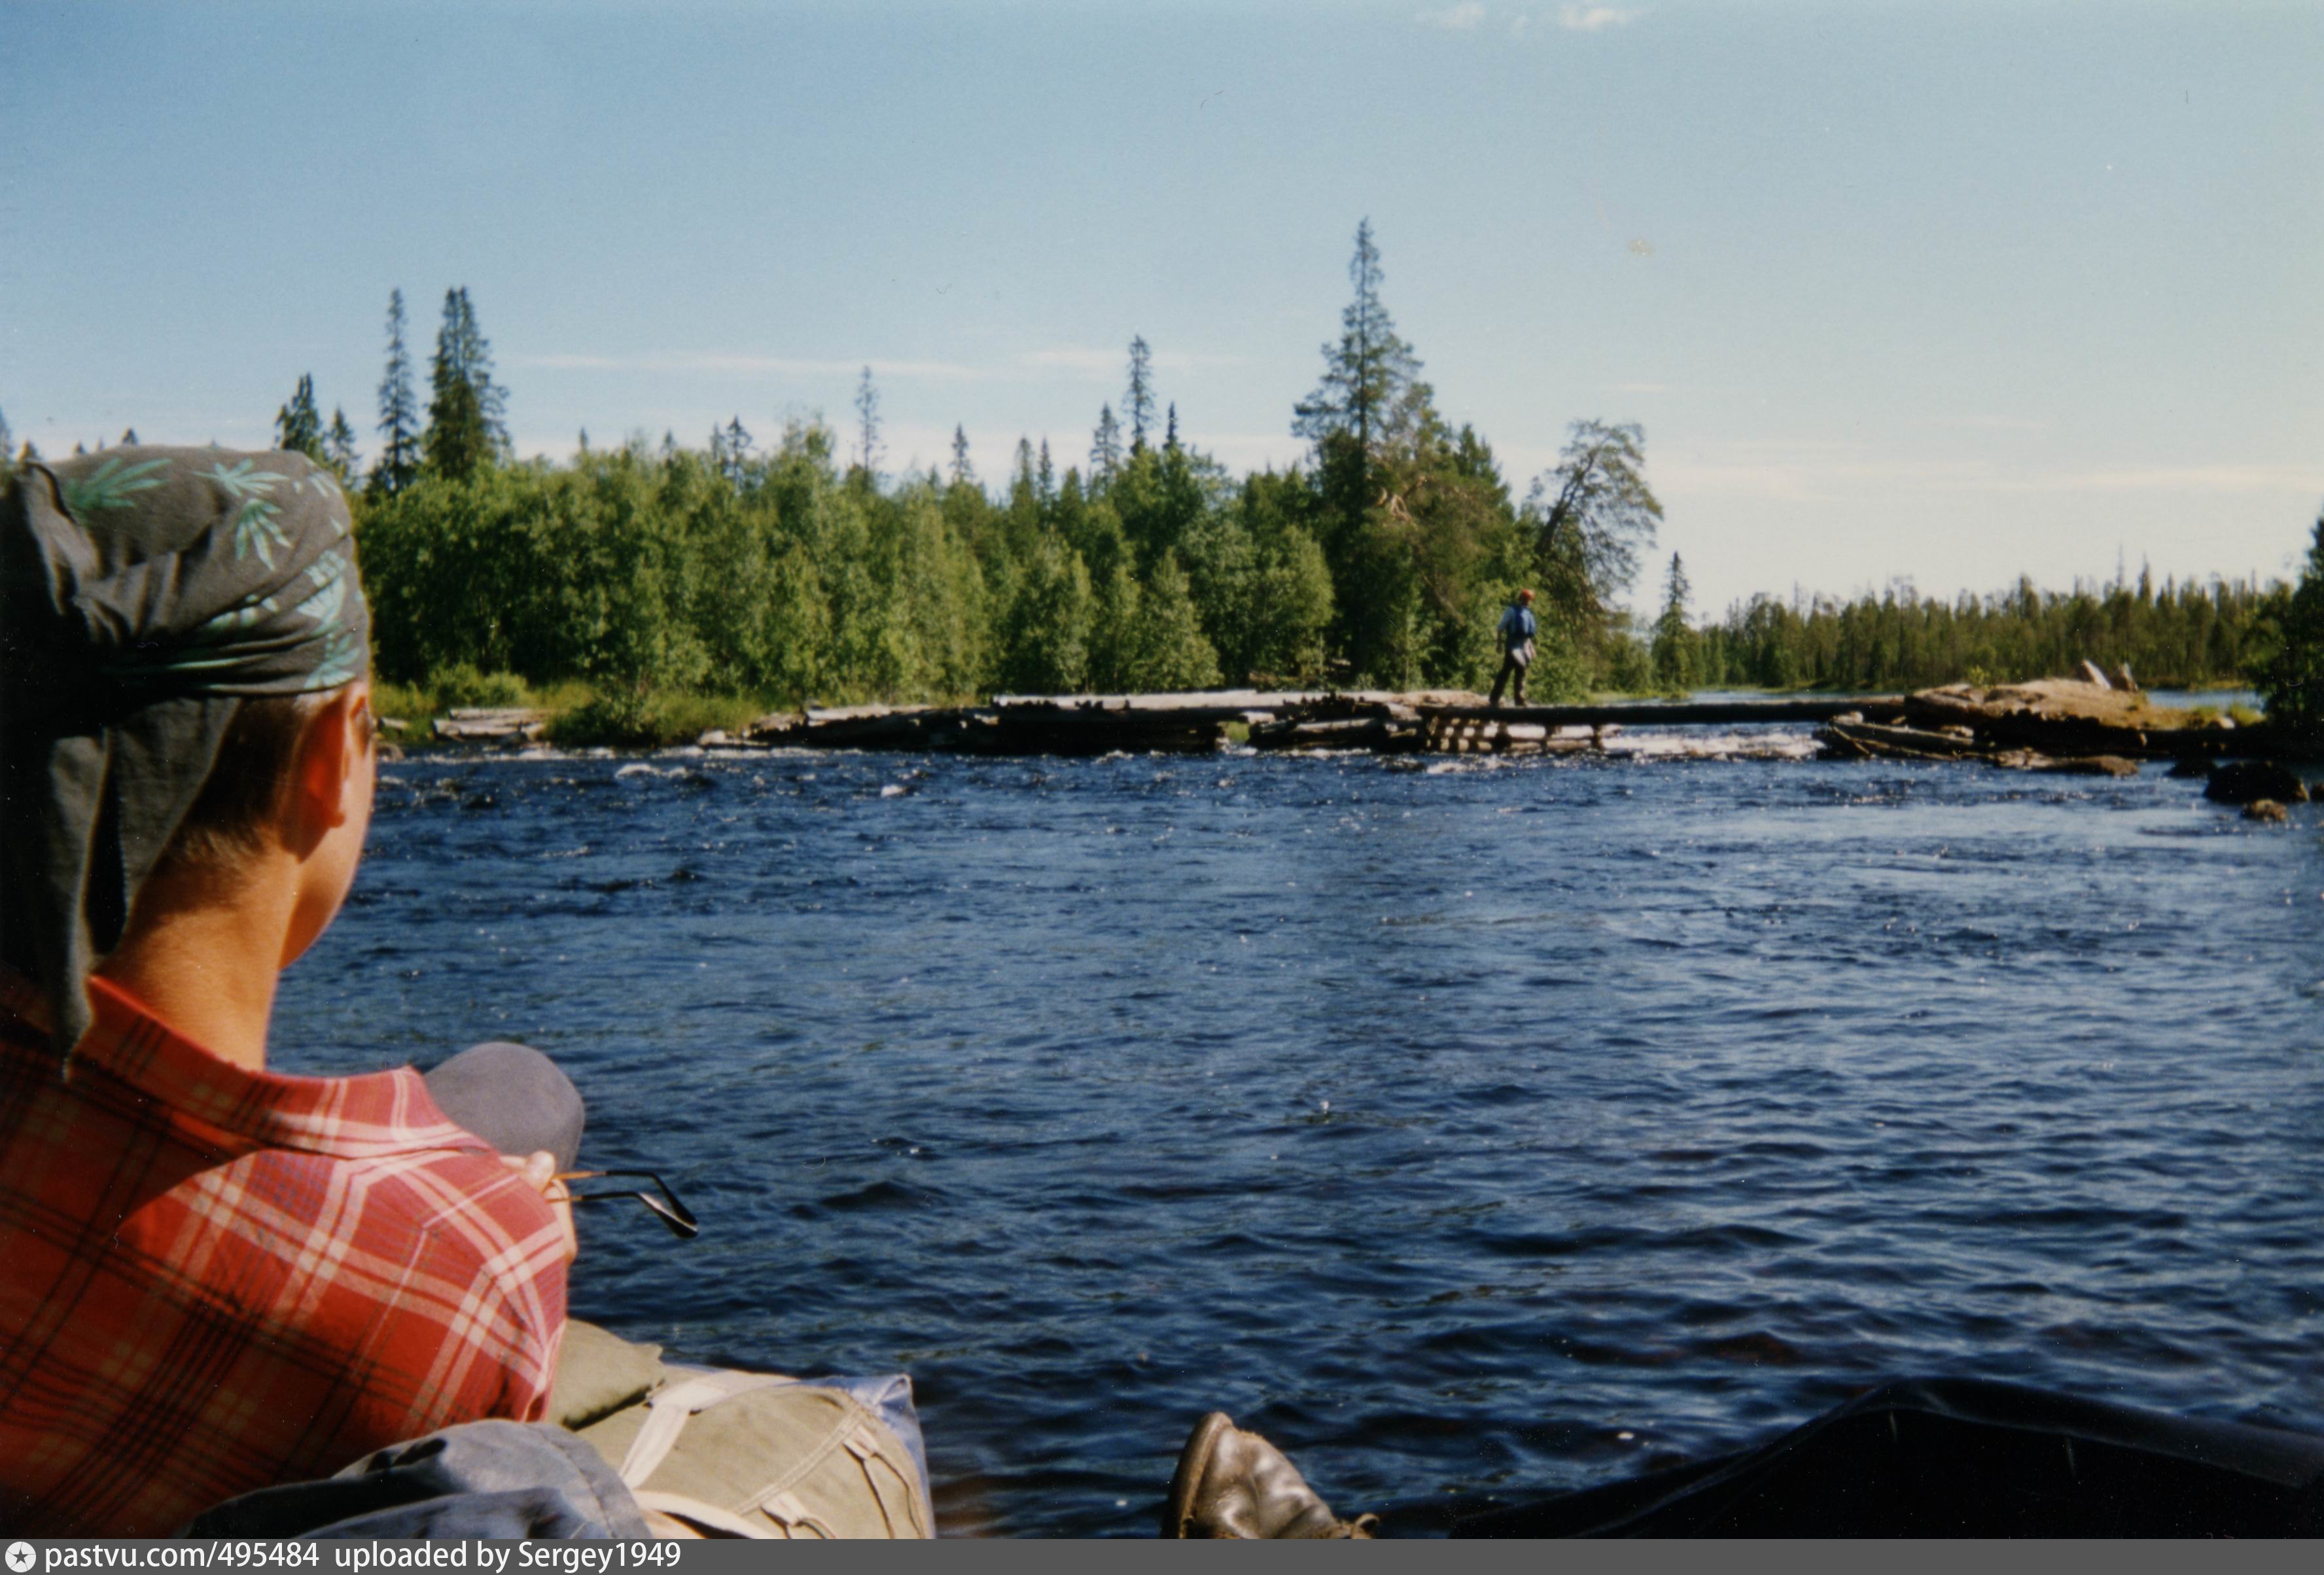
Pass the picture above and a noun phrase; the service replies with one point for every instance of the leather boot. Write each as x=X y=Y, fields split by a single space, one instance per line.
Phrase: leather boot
x=1235 y=1484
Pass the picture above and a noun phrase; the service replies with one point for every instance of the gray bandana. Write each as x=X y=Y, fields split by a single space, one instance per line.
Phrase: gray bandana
x=144 y=593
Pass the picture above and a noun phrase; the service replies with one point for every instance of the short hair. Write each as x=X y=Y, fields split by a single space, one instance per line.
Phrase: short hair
x=249 y=785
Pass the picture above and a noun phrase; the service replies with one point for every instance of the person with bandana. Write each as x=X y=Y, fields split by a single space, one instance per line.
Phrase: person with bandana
x=219 y=1276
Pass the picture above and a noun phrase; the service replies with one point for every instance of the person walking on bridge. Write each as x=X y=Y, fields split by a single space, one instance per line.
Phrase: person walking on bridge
x=1518 y=630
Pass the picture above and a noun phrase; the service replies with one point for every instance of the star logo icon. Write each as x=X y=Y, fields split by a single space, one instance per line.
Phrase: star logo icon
x=20 y=1557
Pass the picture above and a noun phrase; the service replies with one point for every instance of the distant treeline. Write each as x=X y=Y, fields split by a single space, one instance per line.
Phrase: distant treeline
x=789 y=573
x=792 y=571
x=2176 y=636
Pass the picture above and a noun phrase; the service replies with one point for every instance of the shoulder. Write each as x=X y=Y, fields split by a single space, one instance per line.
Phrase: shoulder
x=460 y=1256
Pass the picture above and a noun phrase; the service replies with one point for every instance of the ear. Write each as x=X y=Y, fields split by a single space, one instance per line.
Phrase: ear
x=334 y=750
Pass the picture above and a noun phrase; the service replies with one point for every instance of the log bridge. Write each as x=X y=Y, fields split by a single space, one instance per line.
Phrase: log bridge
x=1438 y=723
x=1577 y=729
x=2054 y=724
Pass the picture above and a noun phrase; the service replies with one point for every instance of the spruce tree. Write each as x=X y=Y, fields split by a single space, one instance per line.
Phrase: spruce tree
x=1367 y=376
x=454 y=445
x=1105 y=449
x=1674 y=641
x=297 y=425
x=867 y=427
x=1169 y=649
x=465 y=430
x=1137 y=404
x=730 y=447
x=338 y=443
x=963 y=474
x=8 y=454
x=1370 y=402
x=399 y=410
x=2291 y=678
x=475 y=361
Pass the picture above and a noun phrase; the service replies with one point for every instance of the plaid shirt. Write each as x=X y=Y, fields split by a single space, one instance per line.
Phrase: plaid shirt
x=212 y=1279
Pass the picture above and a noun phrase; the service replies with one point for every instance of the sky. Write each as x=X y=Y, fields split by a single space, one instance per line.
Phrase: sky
x=1937 y=292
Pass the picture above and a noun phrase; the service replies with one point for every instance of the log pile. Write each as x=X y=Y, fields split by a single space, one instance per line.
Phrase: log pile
x=2087 y=726
x=1033 y=727
x=1343 y=722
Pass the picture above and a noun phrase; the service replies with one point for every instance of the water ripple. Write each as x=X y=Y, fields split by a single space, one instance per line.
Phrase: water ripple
x=1499 y=1129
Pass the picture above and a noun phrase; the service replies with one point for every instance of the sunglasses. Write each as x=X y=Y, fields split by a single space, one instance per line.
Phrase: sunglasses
x=666 y=1208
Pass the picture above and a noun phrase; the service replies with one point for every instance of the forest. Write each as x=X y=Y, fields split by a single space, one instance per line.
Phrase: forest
x=786 y=572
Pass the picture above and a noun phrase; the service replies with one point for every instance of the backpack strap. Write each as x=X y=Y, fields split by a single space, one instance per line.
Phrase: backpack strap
x=669 y=1408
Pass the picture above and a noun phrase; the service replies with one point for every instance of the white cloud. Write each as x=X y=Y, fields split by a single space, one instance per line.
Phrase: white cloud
x=1087 y=363
x=732 y=365
x=1094 y=365
x=1518 y=28
x=1593 y=18
x=1103 y=364
x=1462 y=18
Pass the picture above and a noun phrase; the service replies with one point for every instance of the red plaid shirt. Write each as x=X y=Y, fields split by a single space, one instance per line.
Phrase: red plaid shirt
x=214 y=1279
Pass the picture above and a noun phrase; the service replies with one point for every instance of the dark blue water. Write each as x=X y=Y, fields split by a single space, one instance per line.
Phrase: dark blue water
x=1482 y=1131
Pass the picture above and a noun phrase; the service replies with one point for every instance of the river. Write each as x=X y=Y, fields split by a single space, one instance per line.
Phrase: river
x=1487 y=1129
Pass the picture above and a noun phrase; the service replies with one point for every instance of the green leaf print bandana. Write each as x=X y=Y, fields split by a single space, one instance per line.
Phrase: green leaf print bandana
x=144 y=594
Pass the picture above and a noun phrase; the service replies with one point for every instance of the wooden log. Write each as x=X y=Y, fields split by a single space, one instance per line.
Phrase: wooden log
x=1865 y=740
x=2069 y=766
x=2064 y=718
x=476 y=723
x=1675 y=713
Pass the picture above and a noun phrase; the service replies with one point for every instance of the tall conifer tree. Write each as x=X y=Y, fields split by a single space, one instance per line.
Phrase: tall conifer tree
x=730 y=447
x=338 y=444
x=1674 y=643
x=1105 y=449
x=2291 y=677
x=297 y=425
x=399 y=410
x=867 y=428
x=465 y=409
x=1137 y=404
x=1367 y=376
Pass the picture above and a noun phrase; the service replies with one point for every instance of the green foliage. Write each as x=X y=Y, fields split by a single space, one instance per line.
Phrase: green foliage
x=1046 y=637
x=1675 y=641
x=1138 y=401
x=867 y=425
x=467 y=428
x=620 y=717
x=1150 y=639
x=2290 y=673
x=1586 y=523
x=462 y=685
x=399 y=411
x=298 y=424
x=2175 y=637
x=339 y=447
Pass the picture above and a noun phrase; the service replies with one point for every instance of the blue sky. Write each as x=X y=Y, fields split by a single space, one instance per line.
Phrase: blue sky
x=1943 y=291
